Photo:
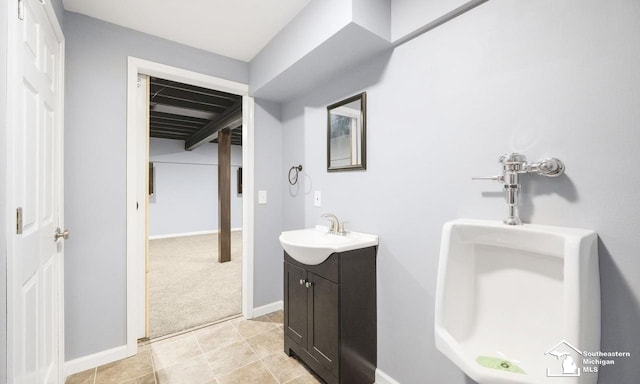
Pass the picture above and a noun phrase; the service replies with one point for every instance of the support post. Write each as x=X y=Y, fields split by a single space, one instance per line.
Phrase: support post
x=224 y=195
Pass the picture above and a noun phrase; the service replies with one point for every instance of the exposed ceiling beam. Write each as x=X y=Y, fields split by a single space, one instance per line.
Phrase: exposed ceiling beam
x=192 y=88
x=175 y=123
x=184 y=103
x=231 y=119
x=187 y=132
x=169 y=136
x=187 y=95
x=236 y=133
x=155 y=123
x=155 y=115
x=184 y=112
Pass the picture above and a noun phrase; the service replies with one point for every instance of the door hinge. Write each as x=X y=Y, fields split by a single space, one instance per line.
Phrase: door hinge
x=19 y=221
x=21 y=9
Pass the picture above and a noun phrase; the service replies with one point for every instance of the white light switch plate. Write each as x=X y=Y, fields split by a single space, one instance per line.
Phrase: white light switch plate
x=317 y=198
x=262 y=197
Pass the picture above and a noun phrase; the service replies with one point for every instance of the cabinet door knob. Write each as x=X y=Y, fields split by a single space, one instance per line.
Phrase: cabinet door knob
x=308 y=284
x=302 y=281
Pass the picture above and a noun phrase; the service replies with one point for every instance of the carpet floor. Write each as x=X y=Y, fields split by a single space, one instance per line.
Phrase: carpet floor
x=187 y=285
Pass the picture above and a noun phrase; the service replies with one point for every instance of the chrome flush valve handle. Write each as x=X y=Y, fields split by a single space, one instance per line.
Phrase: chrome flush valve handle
x=498 y=178
x=513 y=164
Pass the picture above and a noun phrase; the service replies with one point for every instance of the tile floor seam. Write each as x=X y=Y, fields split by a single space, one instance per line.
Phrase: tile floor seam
x=260 y=358
x=239 y=338
x=155 y=377
x=230 y=372
x=272 y=374
x=181 y=363
x=206 y=360
x=265 y=331
x=153 y=365
x=131 y=378
x=259 y=333
x=254 y=351
x=235 y=369
x=261 y=361
x=173 y=364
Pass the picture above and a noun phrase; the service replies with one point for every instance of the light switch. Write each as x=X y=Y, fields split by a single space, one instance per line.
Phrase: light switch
x=262 y=197
x=317 y=198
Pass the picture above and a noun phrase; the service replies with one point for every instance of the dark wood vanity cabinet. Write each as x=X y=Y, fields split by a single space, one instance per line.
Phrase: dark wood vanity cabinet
x=330 y=315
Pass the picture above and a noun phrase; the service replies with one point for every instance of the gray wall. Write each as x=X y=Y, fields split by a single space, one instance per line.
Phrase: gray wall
x=409 y=15
x=95 y=170
x=544 y=78
x=317 y=22
x=269 y=176
x=186 y=188
x=59 y=9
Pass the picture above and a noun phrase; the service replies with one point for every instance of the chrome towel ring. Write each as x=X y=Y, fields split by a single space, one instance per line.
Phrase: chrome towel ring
x=294 y=179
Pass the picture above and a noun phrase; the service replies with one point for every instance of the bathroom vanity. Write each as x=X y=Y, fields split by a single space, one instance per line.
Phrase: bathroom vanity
x=330 y=315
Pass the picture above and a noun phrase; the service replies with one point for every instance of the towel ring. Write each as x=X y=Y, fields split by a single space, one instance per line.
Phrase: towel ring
x=293 y=180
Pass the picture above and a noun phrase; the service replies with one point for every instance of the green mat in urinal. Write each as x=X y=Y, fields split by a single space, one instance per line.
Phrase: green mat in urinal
x=499 y=364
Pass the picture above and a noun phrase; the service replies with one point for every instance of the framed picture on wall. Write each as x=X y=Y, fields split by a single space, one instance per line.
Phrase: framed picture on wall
x=240 y=181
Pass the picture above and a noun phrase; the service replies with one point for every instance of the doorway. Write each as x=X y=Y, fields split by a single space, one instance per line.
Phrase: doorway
x=137 y=168
x=194 y=206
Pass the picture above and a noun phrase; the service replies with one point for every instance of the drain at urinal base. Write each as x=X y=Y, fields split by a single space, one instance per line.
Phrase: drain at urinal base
x=499 y=364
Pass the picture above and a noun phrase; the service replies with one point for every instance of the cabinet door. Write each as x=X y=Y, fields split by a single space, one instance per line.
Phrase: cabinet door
x=324 y=332
x=295 y=304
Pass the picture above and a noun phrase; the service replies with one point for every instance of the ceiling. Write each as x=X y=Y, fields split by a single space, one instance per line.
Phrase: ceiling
x=193 y=114
x=233 y=28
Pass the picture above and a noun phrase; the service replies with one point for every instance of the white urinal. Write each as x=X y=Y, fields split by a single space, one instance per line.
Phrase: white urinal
x=518 y=304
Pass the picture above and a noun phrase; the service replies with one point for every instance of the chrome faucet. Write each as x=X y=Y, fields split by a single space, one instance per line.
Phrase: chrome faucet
x=514 y=164
x=336 y=227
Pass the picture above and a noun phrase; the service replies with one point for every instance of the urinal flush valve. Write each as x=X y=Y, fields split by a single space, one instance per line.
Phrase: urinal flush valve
x=514 y=164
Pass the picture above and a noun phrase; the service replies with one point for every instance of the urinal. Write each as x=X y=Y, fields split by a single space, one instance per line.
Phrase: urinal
x=518 y=304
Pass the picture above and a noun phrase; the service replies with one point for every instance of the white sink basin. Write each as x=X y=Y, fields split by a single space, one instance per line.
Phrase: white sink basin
x=312 y=246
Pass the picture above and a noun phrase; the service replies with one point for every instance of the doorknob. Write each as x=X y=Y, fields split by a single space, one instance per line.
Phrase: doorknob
x=61 y=234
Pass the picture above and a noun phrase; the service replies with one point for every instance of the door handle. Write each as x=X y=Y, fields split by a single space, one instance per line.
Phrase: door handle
x=61 y=234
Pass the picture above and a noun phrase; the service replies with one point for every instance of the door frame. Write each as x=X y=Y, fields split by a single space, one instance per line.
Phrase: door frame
x=134 y=274
x=9 y=200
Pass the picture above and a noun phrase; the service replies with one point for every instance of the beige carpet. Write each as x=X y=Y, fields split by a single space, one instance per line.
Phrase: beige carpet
x=187 y=285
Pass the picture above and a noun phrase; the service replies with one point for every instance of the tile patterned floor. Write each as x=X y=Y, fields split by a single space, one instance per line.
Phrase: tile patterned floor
x=233 y=352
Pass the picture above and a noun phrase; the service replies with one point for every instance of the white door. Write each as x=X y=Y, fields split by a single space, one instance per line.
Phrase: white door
x=35 y=196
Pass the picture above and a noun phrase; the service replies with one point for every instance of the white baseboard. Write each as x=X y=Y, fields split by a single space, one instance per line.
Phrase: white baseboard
x=383 y=378
x=266 y=309
x=97 y=359
x=170 y=235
